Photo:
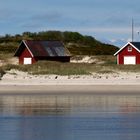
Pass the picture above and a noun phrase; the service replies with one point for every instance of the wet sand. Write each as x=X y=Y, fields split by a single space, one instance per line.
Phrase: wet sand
x=70 y=89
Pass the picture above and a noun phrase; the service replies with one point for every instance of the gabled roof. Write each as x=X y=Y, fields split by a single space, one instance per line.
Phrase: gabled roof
x=43 y=48
x=135 y=45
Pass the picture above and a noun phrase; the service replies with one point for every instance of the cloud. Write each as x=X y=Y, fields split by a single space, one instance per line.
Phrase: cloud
x=39 y=21
x=48 y=16
x=100 y=29
x=30 y=25
x=6 y=15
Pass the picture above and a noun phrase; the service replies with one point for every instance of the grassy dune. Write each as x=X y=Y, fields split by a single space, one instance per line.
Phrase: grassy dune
x=108 y=65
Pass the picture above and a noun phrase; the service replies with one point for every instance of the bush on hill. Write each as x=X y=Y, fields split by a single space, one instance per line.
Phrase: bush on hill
x=77 y=44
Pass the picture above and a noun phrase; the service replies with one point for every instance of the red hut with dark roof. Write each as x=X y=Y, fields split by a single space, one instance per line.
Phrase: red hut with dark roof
x=30 y=51
x=129 y=54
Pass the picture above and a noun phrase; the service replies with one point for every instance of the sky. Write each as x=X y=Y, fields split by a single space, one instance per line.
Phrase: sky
x=107 y=20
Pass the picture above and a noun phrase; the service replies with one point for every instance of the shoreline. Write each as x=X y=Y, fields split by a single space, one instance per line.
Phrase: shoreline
x=17 y=82
x=69 y=89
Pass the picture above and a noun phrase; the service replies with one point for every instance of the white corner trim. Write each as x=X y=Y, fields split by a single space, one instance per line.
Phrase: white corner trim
x=27 y=48
x=118 y=59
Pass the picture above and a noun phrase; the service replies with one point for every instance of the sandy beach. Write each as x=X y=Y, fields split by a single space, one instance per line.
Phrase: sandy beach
x=14 y=77
x=16 y=81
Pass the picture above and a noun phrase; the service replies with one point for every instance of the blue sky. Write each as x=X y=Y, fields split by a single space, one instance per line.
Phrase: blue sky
x=106 y=20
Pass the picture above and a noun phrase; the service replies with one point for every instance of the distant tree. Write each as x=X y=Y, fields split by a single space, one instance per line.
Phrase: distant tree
x=72 y=36
x=76 y=42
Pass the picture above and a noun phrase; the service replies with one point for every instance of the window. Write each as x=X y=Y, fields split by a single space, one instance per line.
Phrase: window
x=27 y=61
x=129 y=49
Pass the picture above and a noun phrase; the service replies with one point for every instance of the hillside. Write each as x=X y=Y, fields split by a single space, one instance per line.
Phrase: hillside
x=74 y=41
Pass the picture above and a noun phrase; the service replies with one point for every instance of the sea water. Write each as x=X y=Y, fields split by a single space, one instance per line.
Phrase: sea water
x=70 y=117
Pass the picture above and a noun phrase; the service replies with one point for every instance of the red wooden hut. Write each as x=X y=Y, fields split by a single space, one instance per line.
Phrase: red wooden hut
x=30 y=51
x=129 y=54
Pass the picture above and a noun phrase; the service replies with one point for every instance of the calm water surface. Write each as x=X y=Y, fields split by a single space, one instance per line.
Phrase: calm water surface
x=70 y=117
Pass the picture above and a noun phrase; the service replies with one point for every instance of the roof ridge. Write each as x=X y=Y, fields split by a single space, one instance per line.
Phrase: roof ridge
x=43 y=40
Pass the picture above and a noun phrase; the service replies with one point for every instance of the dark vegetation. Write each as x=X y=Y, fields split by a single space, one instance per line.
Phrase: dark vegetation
x=74 y=41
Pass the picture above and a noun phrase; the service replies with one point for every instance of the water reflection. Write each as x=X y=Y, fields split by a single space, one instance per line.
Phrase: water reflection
x=65 y=117
x=67 y=105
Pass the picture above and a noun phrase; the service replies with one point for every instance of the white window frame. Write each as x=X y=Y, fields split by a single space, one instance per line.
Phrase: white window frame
x=27 y=60
x=129 y=48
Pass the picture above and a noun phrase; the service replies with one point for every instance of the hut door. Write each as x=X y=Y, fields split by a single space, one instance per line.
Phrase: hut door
x=27 y=61
x=129 y=60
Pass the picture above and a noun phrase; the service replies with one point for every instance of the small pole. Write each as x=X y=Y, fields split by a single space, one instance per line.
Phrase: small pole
x=132 y=30
x=138 y=35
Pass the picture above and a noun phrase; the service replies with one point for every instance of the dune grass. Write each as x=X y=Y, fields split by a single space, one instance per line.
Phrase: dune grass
x=70 y=68
x=58 y=68
x=46 y=67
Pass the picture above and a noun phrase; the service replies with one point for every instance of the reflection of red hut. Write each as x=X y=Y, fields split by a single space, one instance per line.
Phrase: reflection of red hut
x=26 y=110
x=31 y=51
x=128 y=108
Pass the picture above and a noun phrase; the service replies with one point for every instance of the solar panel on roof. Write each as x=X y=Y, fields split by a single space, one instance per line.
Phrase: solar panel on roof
x=49 y=50
x=60 y=51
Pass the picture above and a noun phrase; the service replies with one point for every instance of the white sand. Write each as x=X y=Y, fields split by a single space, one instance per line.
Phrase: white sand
x=15 y=77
